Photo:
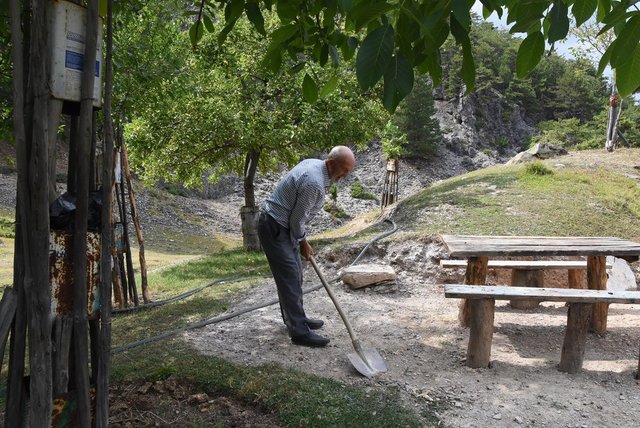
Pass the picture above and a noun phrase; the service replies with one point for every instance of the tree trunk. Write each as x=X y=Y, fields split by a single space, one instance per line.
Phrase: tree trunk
x=615 y=108
x=249 y=213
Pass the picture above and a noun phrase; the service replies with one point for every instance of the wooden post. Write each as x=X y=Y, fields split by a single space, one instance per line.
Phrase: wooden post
x=126 y=244
x=526 y=278
x=136 y=224
x=481 y=332
x=575 y=337
x=476 y=274
x=575 y=279
x=597 y=280
x=62 y=332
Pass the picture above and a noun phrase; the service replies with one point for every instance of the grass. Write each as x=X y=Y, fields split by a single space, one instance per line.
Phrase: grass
x=520 y=200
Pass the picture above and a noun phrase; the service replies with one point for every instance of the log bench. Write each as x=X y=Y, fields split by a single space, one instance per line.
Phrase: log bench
x=482 y=303
x=530 y=273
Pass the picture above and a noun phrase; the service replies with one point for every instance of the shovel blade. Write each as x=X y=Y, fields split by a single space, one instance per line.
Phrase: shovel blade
x=368 y=362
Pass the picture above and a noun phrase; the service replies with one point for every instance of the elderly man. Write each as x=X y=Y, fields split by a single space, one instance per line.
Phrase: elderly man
x=281 y=227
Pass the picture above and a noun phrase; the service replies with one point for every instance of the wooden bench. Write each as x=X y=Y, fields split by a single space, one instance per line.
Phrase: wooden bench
x=482 y=302
x=530 y=273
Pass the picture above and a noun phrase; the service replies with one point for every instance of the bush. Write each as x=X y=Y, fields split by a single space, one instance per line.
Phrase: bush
x=537 y=168
x=358 y=192
x=335 y=211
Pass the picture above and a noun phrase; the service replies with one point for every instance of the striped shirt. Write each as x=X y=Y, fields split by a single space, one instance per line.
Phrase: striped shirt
x=299 y=196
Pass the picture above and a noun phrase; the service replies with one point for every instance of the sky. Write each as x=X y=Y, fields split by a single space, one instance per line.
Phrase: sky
x=561 y=47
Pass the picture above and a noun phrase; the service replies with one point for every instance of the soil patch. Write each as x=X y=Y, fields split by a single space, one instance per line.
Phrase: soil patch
x=416 y=331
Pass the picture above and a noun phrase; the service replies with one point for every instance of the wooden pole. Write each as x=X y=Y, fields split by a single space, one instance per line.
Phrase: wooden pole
x=80 y=319
x=597 y=280
x=476 y=274
x=575 y=337
x=104 y=341
x=136 y=225
x=575 y=278
x=15 y=387
x=62 y=333
x=126 y=245
x=481 y=332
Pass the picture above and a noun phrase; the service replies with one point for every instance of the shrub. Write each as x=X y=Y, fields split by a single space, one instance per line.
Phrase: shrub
x=358 y=192
x=537 y=168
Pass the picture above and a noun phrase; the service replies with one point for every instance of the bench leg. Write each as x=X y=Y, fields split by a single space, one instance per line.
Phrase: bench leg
x=476 y=274
x=575 y=337
x=481 y=332
x=597 y=280
x=526 y=278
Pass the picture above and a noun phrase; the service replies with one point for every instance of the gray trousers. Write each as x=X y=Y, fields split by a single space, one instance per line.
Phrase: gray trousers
x=283 y=255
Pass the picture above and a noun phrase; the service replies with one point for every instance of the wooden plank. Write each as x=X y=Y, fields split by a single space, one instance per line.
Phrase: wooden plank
x=7 y=314
x=522 y=264
x=503 y=246
x=544 y=294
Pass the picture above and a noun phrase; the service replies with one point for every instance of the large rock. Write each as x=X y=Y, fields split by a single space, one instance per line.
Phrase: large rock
x=537 y=152
x=359 y=276
x=621 y=276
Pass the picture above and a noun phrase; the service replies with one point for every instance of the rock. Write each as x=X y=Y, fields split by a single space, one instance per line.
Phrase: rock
x=359 y=276
x=537 y=152
x=621 y=277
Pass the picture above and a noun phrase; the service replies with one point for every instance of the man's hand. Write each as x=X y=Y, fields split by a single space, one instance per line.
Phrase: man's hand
x=306 y=249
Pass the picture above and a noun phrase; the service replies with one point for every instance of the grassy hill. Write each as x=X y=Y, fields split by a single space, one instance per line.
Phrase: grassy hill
x=585 y=193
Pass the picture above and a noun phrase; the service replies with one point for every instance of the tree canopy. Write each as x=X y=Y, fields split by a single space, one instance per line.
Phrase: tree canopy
x=395 y=39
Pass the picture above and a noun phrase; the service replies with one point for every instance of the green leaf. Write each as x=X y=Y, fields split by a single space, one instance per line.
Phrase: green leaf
x=225 y=31
x=559 y=21
x=284 y=32
x=626 y=41
x=273 y=59
x=195 y=33
x=627 y=75
x=208 y=24
x=432 y=65
x=529 y=53
x=309 y=89
x=374 y=56
x=583 y=10
x=329 y=87
x=287 y=11
x=233 y=10
x=604 y=6
x=255 y=17
x=460 y=9
x=348 y=48
x=366 y=11
x=468 y=67
x=398 y=82
x=617 y=13
x=604 y=61
x=333 y=54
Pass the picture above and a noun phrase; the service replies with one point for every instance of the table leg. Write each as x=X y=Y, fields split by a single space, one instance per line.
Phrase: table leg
x=526 y=278
x=476 y=274
x=480 y=333
x=597 y=280
x=575 y=337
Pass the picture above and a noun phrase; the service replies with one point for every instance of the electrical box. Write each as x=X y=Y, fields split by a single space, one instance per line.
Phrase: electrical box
x=67 y=41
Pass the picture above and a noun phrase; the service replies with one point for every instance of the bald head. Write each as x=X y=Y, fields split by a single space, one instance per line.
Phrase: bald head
x=340 y=162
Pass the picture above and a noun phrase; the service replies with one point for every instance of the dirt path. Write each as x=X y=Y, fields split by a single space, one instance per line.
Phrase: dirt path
x=416 y=330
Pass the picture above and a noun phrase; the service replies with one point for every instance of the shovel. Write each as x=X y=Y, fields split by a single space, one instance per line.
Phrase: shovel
x=367 y=361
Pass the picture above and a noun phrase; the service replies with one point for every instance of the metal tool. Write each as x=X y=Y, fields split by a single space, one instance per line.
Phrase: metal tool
x=367 y=361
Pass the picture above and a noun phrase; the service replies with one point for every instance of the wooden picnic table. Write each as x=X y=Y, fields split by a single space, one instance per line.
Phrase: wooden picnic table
x=478 y=249
x=478 y=313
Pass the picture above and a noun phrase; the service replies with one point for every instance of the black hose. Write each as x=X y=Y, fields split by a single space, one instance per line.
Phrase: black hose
x=225 y=317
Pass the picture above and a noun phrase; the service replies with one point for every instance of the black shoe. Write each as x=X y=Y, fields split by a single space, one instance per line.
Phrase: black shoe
x=310 y=339
x=314 y=324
